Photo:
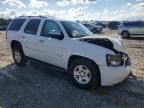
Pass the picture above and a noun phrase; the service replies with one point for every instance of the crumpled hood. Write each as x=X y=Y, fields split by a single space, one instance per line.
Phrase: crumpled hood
x=114 y=44
x=118 y=44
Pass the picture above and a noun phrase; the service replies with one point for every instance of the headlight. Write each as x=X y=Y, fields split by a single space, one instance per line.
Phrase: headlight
x=114 y=60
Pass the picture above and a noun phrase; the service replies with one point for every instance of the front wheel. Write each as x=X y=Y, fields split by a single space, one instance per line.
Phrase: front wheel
x=18 y=56
x=125 y=34
x=84 y=74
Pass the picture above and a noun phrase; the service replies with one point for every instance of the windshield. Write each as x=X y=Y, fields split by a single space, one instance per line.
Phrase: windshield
x=76 y=30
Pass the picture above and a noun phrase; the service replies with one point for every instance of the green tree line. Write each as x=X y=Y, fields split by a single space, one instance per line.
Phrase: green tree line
x=4 y=22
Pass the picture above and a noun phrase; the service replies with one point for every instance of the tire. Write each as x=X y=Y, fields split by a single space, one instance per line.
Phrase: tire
x=94 y=30
x=85 y=77
x=125 y=34
x=18 y=56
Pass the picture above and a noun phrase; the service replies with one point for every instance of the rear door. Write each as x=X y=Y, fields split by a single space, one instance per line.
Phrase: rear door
x=29 y=38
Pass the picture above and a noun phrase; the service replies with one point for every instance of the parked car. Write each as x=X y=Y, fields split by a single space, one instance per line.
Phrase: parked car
x=101 y=24
x=3 y=27
x=90 y=60
x=93 y=28
x=129 y=29
x=113 y=25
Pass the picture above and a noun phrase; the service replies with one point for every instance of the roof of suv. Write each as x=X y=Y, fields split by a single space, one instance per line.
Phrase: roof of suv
x=41 y=17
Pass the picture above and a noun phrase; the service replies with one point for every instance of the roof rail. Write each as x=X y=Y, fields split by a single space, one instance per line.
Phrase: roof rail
x=32 y=16
x=38 y=16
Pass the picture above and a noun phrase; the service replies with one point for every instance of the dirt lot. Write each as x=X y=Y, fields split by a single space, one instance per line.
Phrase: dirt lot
x=40 y=86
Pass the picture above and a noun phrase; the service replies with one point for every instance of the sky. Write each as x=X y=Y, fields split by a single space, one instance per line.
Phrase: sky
x=105 y=10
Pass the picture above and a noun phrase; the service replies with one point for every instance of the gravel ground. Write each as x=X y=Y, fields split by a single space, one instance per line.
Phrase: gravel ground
x=41 y=86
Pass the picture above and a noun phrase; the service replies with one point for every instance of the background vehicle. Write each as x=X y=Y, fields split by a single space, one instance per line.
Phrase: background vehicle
x=128 y=29
x=113 y=25
x=3 y=27
x=90 y=60
x=93 y=28
x=4 y=23
x=101 y=24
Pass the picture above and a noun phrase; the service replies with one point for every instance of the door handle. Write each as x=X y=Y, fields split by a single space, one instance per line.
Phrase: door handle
x=23 y=37
x=41 y=41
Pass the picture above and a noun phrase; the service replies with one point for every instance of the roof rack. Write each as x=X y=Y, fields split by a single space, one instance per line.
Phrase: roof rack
x=33 y=16
x=38 y=16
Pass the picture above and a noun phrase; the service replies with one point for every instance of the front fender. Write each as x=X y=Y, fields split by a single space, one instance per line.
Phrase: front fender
x=93 y=52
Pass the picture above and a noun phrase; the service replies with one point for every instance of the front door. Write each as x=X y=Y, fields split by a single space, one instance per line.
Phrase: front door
x=52 y=47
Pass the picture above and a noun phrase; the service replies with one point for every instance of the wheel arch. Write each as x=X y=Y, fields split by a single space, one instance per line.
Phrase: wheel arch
x=125 y=31
x=74 y=57
x=15 y=43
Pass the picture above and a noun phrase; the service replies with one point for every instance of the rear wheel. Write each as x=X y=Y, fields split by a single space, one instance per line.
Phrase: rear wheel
x=94 y=30
x=84 y=74
x=18 y=56
x=125 y=34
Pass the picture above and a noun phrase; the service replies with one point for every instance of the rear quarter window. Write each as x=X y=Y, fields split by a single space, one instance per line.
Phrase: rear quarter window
x=16 y=24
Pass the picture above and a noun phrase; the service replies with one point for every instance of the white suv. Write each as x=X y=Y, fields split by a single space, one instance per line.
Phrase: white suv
x=129 y=29
x=89 y=59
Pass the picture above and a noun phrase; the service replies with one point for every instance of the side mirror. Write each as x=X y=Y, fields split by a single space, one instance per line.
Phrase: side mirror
x=75 y=33
x=56 y=34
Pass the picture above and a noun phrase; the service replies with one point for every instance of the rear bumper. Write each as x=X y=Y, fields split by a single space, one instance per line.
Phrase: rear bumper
x=113 y=75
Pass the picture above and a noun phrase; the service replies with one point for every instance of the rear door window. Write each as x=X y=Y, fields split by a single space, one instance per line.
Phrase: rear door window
x=16 y=24
x=32 y=26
